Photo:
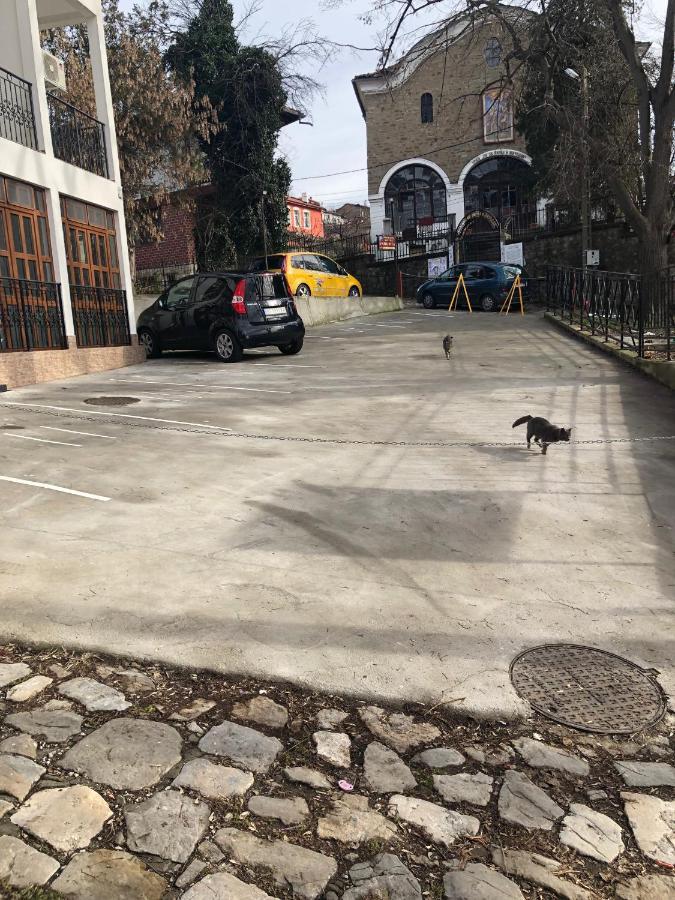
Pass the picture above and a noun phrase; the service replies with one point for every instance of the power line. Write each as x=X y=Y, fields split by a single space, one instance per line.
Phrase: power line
x=394 y=161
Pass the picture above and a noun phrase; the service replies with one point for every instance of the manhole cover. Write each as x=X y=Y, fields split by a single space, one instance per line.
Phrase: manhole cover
x=588 y=689
x=112 y=401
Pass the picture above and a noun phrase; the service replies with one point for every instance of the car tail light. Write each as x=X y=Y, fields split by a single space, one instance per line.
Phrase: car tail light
x=238 y=298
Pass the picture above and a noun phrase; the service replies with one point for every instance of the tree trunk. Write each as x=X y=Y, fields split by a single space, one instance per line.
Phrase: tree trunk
x=653 y=244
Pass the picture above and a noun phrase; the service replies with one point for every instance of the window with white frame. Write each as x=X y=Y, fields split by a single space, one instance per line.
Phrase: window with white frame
x=306 y=216
x=296 y=217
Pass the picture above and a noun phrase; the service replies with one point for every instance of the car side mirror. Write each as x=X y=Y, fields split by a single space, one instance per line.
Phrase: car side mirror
x=161 y=301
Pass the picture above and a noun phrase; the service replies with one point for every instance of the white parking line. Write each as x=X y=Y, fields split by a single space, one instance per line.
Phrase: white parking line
x=107 y=437
x=286 y=365
x=93 y=412
x=25 y=437
x=219 y=387
x=54 y=487
x=380 y=325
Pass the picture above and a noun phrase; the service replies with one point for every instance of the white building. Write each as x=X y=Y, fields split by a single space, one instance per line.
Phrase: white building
x=66 y=303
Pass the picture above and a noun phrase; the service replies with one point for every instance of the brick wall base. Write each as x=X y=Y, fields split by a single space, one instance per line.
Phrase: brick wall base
x=17 y=369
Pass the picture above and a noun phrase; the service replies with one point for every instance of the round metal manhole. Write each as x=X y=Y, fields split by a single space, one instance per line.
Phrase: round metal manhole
x=112 y=401
x=588 y=689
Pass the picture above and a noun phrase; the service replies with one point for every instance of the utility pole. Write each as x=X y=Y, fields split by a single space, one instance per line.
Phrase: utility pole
x=585 y=179
x=264 y=226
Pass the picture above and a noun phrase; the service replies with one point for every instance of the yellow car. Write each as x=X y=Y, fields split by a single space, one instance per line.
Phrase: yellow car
x=311 y=274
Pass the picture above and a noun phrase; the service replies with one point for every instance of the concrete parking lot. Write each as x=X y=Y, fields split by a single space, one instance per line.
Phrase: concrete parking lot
x=382 y=570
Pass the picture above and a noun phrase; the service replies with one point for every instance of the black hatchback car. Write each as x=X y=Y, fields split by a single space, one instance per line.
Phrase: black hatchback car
x=487 y=284
x=227 y=312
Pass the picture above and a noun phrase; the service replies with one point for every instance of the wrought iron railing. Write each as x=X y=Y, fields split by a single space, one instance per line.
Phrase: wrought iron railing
x=77 y=137
x=635 y=312
x=100 y=316
x=552 y=219
x=31 y=316
x=17 y=116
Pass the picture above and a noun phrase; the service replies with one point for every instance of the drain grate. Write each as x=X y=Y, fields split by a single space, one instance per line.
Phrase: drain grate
x=588 y=689
x=112 y=401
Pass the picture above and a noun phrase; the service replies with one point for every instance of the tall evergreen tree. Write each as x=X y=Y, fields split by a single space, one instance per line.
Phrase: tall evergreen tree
x=244 y=87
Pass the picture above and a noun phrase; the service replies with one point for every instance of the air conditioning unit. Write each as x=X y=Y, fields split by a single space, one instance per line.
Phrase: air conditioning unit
x=55 y=72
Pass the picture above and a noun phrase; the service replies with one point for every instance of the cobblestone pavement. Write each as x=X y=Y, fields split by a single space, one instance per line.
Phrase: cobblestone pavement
x=123 y=781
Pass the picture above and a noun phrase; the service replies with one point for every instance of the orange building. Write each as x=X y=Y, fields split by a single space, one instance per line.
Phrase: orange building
x=305 y=216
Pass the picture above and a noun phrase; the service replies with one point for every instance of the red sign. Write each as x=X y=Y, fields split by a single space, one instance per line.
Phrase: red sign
x=386 y=242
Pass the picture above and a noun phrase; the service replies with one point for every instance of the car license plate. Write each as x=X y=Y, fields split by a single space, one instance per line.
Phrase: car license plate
x=275 y=312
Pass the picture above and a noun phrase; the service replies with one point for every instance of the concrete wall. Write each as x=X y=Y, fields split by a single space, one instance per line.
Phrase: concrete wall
x=322 y=310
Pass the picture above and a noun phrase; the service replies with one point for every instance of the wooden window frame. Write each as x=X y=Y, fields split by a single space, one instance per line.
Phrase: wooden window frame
x=19 y=261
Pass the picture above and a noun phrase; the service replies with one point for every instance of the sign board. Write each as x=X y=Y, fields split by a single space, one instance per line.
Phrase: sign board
x=513 y=254
x=451 y=256
x=592 y=257
x=386 y=242
x=437 y=266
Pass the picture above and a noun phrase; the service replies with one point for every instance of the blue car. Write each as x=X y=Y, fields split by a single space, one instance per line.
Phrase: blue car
x=487 y=284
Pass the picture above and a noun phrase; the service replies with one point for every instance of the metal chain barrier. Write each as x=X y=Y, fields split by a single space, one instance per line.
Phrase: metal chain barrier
x=315 y=440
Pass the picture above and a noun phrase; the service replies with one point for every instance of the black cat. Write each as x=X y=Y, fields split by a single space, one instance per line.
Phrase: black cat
x=542 y=431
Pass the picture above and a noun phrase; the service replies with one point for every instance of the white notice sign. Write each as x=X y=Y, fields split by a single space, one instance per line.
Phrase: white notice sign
x=513 y=254
x=437 y=266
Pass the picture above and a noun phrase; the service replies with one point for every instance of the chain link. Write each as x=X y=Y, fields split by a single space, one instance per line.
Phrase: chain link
x=313 y=440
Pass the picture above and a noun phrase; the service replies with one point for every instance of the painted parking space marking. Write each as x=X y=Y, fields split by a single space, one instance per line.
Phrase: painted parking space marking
x=26 y=437
x=286 y=365
x=93 y=412
x=219 y=387
x=106 y=437
x=55 y=487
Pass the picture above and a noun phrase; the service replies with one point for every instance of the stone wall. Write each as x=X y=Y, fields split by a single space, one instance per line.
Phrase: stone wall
x=619 y=251
x=17 y=369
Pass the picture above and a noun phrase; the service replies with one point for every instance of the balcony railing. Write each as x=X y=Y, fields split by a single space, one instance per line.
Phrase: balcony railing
x=77 y=137
x=31 y=316
x=17 y=117
x=100 y=316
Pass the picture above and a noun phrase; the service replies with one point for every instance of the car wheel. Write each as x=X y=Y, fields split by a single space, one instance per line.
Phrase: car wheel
x=292 y=348
x=488 y=303
x=147 y=340
x=428 y=301
x=303 y=291
x=354 y=291
x=227 y=347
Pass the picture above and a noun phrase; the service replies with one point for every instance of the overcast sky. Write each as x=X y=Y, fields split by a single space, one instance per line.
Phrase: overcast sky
x=337 y=140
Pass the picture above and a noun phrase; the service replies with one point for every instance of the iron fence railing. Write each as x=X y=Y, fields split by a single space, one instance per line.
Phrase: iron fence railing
x=77 y=137
x=31 y=316
x=100 y=316
x=423 y=239
x=552 y=218
x=17 y=116
x=633 y=311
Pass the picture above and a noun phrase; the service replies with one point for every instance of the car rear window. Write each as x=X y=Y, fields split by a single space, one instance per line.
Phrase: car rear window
x=512 y=271
x=273 y=262
x=267 y=287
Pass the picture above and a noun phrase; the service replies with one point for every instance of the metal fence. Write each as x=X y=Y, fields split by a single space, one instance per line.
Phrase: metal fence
x=635 y=312
x=31 y=316
x=17 y=116
x=552 y=219
x=421 y=240
x=77 y=137
x=100 y=316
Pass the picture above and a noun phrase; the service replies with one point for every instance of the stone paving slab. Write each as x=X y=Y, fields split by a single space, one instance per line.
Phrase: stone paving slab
x=123 y=804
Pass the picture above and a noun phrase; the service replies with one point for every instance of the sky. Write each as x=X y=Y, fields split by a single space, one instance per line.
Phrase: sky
x=336 y=140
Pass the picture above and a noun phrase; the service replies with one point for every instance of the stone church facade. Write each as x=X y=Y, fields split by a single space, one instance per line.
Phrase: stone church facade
x=440 y=132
